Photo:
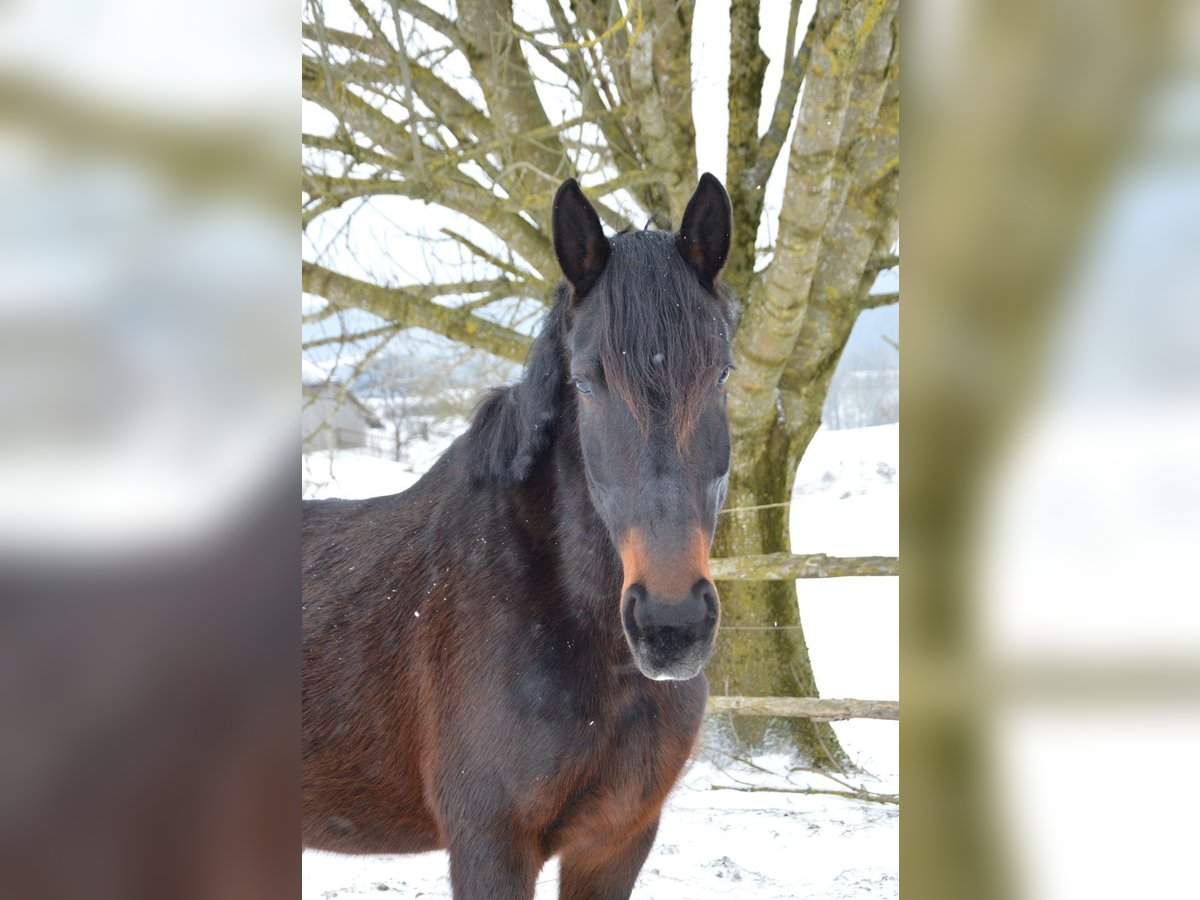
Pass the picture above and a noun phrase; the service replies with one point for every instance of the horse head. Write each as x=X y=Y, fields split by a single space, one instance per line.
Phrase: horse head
x=646 y=343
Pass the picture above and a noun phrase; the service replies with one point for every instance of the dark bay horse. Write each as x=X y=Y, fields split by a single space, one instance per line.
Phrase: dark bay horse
x=505 y=660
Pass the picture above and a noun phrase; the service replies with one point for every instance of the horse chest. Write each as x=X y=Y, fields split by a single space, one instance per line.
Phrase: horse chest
x=603 y=760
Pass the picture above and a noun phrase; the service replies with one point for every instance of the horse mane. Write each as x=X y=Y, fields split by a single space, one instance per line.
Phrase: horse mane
x=514 y=425
x=660 y=330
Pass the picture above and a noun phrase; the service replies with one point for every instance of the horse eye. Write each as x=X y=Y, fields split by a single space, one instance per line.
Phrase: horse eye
x=724 y=376
x=584 y=387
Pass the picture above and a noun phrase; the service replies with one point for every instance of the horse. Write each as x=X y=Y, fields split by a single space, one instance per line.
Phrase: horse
x=506 y=659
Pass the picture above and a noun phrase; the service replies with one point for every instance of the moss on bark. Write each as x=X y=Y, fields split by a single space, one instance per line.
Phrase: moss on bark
x=761 y=649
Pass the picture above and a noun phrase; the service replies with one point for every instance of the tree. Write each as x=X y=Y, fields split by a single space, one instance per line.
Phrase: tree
x=422 y=395
x=482 y=112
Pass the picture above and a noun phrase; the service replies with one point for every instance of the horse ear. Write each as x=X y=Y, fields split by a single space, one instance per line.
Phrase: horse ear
x=579 y=241
x=703 y=238
x=514 y=426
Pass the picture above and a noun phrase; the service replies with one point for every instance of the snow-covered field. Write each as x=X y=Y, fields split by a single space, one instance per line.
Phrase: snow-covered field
x=716 y=841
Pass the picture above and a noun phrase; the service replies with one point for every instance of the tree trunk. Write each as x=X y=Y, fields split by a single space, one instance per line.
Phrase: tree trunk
x=761 y=649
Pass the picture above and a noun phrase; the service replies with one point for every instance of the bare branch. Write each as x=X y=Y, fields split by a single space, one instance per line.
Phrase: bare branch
x=617 y=26
x=499 y=67
x=745 y=97
x=343 y=144
x=491 y=257
x=321 y=84
x=413 y=307
x=430 y=17
x=660 y=83
x=351 y=338
x=474 y=151
x=486 y=300
x=595 y=92
x=883 y=263
x=381 y=38
x=348 y=40
x=794 y=72
x=461 y=195
x=872 y=301
x=745 y=84
x=410 y=97
x=452 y=108
x=325 y=312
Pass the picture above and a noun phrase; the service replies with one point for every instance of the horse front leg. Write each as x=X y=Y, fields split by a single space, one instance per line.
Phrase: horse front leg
x=605 y=871
x=493 y=864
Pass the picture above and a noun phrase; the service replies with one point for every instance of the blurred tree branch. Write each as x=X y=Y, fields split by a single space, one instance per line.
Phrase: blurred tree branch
x=227 y=154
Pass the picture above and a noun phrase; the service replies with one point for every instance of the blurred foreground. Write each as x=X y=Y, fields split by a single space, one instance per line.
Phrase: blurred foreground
x=1050 y=328
x=148 y=549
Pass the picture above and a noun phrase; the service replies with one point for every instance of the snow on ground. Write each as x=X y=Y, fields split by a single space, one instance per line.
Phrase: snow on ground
x=722 y=842
x=355 y=474
x=847 y=503
x=711 y=844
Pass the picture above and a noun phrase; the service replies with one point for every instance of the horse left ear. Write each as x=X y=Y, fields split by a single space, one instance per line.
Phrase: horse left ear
x=703 y=238
x=579 y=241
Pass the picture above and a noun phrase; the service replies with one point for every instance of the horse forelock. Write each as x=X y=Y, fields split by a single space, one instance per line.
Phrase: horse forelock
x=662 y=335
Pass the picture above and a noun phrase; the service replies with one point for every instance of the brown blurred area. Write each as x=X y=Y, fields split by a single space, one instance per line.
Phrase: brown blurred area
x=1050 y=509
x=150 y=709
x=149 y=625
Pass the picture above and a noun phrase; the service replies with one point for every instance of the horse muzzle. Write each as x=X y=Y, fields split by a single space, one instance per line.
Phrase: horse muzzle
x=671 y=639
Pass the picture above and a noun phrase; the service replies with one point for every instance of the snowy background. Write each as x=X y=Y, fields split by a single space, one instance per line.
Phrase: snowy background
x=717 y=838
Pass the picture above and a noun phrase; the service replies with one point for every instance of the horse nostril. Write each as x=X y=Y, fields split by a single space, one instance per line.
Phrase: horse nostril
x=643 y=613
x=634 y=607
x=706 y=592
x=703 y=594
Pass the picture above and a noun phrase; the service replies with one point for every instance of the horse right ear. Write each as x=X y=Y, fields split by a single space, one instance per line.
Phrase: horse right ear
x=579 y=241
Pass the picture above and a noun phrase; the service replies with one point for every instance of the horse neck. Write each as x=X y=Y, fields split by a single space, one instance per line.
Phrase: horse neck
x=590 y=569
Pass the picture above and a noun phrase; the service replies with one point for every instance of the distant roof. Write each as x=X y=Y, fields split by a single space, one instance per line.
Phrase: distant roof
x=311 y=373
x=343 y=394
